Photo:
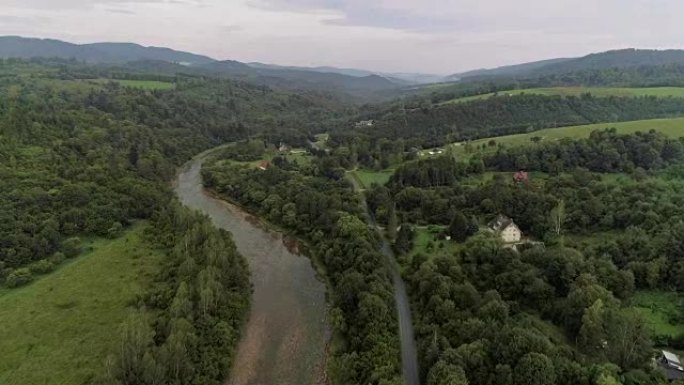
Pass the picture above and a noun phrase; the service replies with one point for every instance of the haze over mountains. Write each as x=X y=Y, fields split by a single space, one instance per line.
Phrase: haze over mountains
x=350 y=80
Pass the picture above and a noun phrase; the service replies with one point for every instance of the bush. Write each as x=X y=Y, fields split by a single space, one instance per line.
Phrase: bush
x=71 y=247
x=57 y=258
x=115 y=230
x=19 y=277
x=42 y=267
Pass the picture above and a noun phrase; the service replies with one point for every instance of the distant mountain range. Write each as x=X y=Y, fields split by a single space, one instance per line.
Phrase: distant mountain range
x=165 y=60
x=349 y=80
x=624 y=58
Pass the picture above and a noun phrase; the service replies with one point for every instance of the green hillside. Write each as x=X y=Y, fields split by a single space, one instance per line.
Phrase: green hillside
x=61 y=328
x=670 y=127
x=578 y=91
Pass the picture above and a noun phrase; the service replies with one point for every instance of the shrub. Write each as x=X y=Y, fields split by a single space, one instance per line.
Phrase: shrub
x=71 y=247
x=19 y=277
x=42 y=267
x=57 y=258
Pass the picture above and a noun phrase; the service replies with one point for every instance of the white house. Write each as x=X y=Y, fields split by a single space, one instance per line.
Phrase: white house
x=674 y=371
x=506 y=228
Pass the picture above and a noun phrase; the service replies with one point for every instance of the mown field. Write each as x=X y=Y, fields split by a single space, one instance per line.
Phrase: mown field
x=577 y=91
x=366 y=178
x=61 y=328
x=670 y=127
x=661 y=310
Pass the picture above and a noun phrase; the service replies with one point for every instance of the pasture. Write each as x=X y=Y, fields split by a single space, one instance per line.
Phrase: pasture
x=61 y=328
x=578 y=91
x=671 y=127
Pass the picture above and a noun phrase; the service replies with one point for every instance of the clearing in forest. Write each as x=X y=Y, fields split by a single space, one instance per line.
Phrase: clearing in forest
x=61 y=328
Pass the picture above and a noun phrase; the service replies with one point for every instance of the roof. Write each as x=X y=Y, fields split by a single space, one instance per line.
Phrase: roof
x=501 y=223
x=264 y=164
x=671 y=357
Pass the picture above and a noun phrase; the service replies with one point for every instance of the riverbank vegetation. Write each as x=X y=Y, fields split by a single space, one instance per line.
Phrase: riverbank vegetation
x=320 y=206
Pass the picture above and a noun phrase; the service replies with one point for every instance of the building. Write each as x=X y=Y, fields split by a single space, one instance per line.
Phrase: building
x=283 y=147
x=263 y=165
x=672 y=366
x=365 y=123
x=506 y=228
x=521 y=177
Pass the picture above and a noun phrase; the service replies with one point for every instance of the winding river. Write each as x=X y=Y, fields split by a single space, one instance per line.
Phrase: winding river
x=285 y=339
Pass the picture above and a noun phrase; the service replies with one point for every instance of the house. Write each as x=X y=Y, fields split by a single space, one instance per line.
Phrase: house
x=263 y=165
x=283 y=147
x=521 y=177
x=506 y=228
x=365 y=123
x=672 y=366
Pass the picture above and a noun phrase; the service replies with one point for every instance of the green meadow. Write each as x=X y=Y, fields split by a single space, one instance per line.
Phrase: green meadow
x=662 y=311
x=577 y=91
x=61 y=328
x=670 y=127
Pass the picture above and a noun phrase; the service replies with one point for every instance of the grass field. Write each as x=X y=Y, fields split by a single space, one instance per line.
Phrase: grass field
x=142 y=84
x=61 y=328
x=367 y=177
x=577 y=91
x=660 y=309
x=671 y=127
x=429 y=242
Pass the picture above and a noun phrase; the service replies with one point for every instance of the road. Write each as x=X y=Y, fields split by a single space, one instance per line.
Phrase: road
x=409 y=354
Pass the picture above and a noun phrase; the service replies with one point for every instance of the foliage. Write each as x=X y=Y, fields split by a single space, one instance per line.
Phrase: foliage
x=327 y=213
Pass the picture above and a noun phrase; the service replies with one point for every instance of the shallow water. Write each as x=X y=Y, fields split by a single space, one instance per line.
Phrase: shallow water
x=285 y=338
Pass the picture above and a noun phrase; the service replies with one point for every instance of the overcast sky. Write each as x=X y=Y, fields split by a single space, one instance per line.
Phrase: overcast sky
x=437 y=36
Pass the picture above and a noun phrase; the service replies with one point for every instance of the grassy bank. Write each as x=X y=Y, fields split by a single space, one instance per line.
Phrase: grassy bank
x=61 y=328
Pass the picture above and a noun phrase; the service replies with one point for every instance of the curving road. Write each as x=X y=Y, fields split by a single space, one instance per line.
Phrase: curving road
x=285 y=338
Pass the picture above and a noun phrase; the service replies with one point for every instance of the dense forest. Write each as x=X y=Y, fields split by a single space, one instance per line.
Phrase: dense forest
x=558 y=314
x=435 y=125
x=326 y=213
x=86 y=158
x=80 y=159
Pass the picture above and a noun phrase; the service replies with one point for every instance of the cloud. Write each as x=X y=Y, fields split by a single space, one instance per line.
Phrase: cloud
x=121 y=11
x=82 y=4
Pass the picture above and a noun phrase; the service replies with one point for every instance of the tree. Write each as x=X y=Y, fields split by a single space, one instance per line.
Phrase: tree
x=445 y=374
x=71 y=247
x=534 y=369
x=458 y=228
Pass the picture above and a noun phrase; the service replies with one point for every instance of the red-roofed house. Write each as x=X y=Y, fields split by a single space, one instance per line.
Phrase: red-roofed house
x=521 y=176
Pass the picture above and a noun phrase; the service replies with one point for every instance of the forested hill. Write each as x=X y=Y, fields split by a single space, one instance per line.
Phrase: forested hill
x=625 y=58
x=85 y=158
x=128 y=56
x=432 y=125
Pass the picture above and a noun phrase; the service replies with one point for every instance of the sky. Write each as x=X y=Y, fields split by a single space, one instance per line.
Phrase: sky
x=429 y=36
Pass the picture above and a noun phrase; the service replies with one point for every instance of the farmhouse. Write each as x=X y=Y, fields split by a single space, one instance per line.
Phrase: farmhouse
x=506 y=228
x=674 y=371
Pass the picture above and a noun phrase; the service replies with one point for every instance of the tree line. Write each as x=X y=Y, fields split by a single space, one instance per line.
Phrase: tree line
x=328 y=215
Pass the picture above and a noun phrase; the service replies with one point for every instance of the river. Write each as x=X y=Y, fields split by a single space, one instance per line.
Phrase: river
x=285 y=338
